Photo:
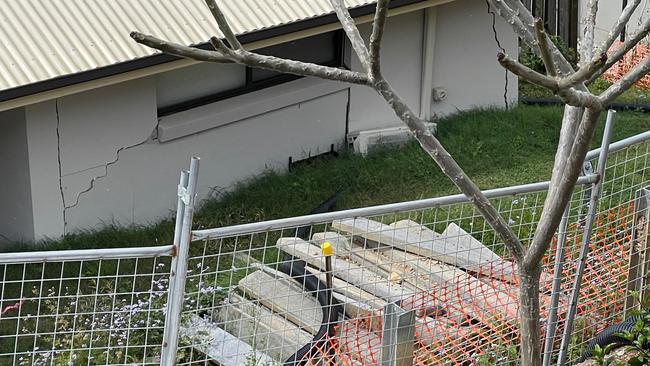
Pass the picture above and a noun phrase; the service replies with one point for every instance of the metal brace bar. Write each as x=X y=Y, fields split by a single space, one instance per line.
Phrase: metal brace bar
x=177 y=278
x=586 y=238
x=639 y=264
x=551 y=323
x=398 y=333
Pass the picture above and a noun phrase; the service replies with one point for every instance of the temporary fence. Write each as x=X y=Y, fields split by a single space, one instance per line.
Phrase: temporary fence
x=83 y=307
x=423 y=282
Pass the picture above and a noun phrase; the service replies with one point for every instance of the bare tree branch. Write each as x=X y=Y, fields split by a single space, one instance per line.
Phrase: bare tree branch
x=422 y=134
x=544 y=49
x=260 y=61
x=220 y=47
x=618 y=54
x=527 y=19
x=352 y=32
x=624 y=83
x=378 y=26
x=587 y=41
x=511 y=17
x=223 y=24
x=450 y=168
x=527 y=73
x=561 y=87
x=555 y=204
x=585 y=71
x=618 y=28
x=178 y=49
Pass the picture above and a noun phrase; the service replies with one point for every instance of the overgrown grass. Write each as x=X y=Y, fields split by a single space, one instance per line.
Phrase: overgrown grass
x=497 y=148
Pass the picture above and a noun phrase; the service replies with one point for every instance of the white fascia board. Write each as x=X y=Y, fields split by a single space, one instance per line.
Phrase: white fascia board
x=245 y=106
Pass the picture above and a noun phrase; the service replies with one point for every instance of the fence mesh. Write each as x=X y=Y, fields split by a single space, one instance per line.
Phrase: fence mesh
x=259 y=297
x=263 y=297
x=83 y=312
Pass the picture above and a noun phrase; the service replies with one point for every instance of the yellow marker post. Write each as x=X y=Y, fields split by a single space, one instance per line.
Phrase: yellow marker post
x=328 y=251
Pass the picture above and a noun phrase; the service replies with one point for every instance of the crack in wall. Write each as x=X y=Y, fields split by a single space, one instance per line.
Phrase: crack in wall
x=152 y=137
x=498 y=42
x=58 y=155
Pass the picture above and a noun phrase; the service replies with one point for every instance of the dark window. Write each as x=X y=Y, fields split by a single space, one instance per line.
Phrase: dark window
x=323 y=49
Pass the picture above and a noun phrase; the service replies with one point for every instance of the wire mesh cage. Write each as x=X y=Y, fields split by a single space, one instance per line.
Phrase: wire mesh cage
x=263 y=296
x=424 y=282
x=85 y=310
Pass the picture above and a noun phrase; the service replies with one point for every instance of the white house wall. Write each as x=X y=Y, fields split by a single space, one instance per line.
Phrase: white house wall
x=401 y=59
x=111 y=138
x=465 y=57
x=464 y=64
x=16 y=213
x=47 y=208
x=140 y=186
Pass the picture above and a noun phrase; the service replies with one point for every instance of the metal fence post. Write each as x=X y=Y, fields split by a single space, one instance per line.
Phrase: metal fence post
x=398 y=332
x=551 y=323
x=178 y=274
x=586 y=237
x=639 y=265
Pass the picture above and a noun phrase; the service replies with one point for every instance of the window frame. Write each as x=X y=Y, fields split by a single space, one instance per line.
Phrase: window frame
x=339 y=60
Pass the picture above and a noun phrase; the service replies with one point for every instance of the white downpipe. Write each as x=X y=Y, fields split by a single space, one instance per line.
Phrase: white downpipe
x=428 y=52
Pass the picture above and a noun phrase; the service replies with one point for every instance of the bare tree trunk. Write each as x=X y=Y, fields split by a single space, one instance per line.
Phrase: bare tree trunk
x=531 y=354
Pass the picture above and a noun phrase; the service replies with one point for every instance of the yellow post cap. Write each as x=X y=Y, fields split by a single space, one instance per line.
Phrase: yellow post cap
x=327 y=248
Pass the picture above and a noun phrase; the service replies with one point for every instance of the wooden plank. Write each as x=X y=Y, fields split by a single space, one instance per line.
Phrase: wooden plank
x=479 y=300
x=359 y=256
x=345 y=270
x=222 y=346
x=355 y=276
x=340 y=243
x=285 y=298
x=259 y=327
x=352 y=307
x=454 y=246
x=550 y=17
x=356 y=302
x=443 y=282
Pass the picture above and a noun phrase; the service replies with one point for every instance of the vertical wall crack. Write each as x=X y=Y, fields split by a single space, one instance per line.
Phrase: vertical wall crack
x=58 y=155
x=498 y=42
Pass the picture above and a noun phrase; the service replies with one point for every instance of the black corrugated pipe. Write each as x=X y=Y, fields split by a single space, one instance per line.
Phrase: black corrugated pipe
x=331 y=312
x=617 y=106
x=610 y=335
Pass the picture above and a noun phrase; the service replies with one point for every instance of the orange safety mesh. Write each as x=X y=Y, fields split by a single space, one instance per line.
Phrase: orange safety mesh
x=481 y=325
x=639 y=53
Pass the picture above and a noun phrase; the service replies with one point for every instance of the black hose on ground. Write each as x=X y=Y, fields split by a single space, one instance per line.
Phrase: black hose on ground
x=326 y=206
x=304 y=231
x=331 y=312
x=609 y=336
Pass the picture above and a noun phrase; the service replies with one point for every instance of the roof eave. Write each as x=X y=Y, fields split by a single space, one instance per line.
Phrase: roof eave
x=157 y=63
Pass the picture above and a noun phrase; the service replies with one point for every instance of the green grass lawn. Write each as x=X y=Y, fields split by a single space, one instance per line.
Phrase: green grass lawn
x=497 y=148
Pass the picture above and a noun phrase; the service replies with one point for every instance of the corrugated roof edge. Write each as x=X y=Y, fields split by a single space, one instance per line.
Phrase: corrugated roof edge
x=157 y=59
